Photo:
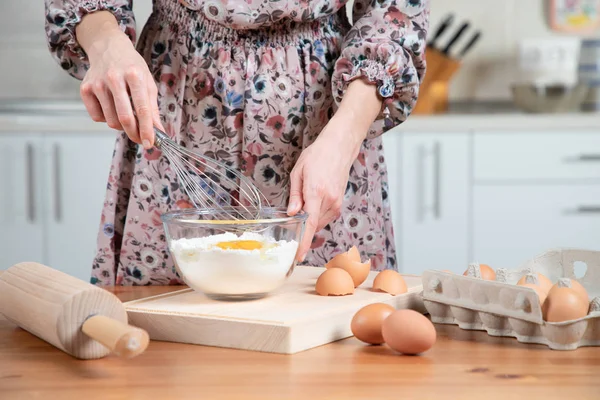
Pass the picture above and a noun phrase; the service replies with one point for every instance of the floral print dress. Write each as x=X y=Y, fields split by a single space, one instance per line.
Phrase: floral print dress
x=251 y=83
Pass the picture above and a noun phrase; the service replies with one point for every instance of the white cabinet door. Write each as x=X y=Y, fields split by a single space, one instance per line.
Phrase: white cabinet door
x=435 y=202
x=515 y=223
x=76 y=169
x=21 y=191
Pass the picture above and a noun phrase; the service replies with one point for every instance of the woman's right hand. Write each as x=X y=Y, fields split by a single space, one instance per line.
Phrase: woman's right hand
x=118 y=76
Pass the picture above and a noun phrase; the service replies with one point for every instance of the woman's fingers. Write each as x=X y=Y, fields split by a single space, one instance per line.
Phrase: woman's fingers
x=139 y=95
x=327 y=217
x=312 y=206
x=92 y=105
x=105 y=98
x=331 y=205
x=153 y=96
x=123 y=107
x=296 y=183
x=321 y=204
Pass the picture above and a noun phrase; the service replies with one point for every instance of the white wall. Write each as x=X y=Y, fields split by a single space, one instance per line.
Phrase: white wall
x=488 y=70
x=26 y=68
x=28 y=71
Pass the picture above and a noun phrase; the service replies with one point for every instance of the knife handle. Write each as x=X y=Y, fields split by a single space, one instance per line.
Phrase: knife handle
x=441 y=29
x=468 y=46
x=456 y=36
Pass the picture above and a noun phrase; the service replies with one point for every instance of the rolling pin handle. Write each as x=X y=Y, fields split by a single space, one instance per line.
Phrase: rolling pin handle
x=122 y=339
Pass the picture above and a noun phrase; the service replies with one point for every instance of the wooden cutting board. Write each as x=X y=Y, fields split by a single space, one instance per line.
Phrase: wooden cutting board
x=292 y=319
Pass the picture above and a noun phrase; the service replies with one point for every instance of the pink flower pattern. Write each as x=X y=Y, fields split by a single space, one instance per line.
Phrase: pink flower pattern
x=252 y=83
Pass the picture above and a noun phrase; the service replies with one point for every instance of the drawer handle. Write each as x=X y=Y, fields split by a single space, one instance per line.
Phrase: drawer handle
x=437 y=163
x=30 y=184
x=588 y=210
x=420 y=192
x=584 y=210
x=589 y=157
x=57 y=185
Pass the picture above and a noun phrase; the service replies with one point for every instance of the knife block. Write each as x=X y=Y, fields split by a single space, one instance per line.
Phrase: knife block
x=433 y=91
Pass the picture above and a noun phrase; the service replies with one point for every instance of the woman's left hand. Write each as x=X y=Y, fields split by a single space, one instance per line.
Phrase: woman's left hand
x=320 y=176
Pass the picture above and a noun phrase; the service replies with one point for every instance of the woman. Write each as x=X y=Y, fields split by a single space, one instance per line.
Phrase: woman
x=287 y=91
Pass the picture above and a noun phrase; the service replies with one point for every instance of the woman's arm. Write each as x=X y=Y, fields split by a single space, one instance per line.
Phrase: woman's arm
x=94 y=41
x=386 y=46
x=63 y=18
x=359 y=108
x=320 y=176
x=94 y=28
x=379 y=71
x=117 y=72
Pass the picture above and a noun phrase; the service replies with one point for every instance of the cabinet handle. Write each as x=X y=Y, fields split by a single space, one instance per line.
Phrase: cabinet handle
x=437 y=162
x=30 y=184
x=57 y=185
x=588 y=210
x=420 y=183
x=7 y=162
x=590 y=157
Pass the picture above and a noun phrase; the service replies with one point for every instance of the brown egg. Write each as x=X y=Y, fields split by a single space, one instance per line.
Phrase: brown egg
x=359 y=272
x=482 y=271
x=536 y=278
x=408 y=332
x=350 y=261
x=351 y=255
x=389 y=281
x=538 y=290
x=564 y=303
x=578 y=287
x=334 y=282
x=354 y=254
x=366 y=323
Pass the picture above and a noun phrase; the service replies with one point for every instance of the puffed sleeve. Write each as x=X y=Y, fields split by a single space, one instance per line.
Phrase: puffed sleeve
x=62 y=16
x=386 y=46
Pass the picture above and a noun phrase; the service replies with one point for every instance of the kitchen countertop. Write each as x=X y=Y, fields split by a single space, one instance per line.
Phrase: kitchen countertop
x=58 y=117
x=70 y=116
x=462 y=365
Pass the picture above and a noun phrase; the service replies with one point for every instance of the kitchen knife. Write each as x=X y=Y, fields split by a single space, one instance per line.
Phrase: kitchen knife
x=469 y=45
x=455 y=38
x=441 y=29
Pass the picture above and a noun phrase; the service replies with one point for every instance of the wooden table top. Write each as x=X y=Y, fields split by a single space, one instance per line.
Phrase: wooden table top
x=461 y=365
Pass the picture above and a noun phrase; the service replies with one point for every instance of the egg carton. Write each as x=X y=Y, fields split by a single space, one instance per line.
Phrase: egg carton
x=502 y=308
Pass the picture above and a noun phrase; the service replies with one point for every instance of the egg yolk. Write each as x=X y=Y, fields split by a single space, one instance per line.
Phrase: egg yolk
x=240 y=245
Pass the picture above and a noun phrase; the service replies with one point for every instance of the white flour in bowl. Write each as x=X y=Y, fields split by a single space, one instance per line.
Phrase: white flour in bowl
x=232 y=271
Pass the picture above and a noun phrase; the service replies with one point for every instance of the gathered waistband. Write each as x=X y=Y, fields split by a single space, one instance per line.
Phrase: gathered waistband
x=181 y=17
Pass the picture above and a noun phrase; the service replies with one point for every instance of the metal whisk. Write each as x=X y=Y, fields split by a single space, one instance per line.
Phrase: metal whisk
x=210 y=183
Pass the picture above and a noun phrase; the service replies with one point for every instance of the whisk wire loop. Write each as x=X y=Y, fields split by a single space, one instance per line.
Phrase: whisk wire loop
x=210 y=183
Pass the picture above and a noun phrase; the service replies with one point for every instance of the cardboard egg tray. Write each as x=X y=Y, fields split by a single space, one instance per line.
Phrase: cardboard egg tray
x=502 y=308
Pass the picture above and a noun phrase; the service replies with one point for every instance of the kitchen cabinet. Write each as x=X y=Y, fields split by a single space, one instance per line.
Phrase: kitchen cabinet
x=76 y=170
x=392 y=148
x=52 y=198
x=21 y=219
x=513 y=223
x=434 y=202
x=536 y=155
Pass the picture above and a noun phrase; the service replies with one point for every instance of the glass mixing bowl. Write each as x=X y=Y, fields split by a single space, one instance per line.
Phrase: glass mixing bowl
x=234 y=259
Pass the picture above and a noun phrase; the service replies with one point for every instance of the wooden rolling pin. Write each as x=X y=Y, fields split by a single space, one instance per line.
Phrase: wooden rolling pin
x=77 y=317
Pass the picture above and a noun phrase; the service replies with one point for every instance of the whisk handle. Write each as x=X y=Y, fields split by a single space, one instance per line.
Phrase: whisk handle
x=160 y=137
